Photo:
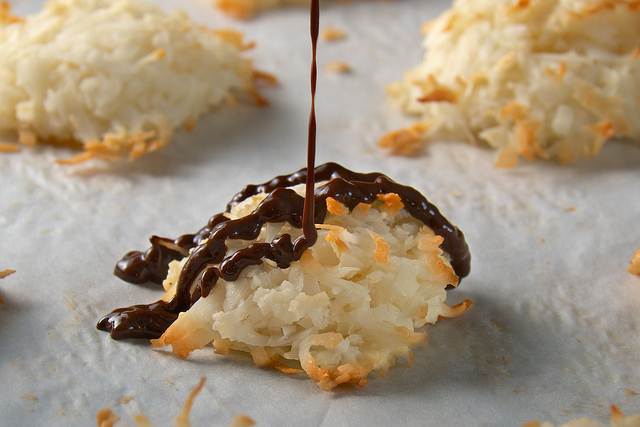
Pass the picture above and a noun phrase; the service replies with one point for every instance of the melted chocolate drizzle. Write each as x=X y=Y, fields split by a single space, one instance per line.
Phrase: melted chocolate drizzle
x=281 y=205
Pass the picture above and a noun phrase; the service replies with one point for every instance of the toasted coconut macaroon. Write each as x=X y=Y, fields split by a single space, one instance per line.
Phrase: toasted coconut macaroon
x=549 y=79
x=114 y=77
x=350 y=304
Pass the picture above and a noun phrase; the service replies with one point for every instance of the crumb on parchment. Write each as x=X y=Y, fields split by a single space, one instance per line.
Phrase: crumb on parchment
x=107 y=418
x=634 y=264
x=338 y=67
x=3 y=274
x=331 y=34
x=617 y=420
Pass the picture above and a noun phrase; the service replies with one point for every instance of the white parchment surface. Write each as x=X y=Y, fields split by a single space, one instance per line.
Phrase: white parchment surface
x=553 y=331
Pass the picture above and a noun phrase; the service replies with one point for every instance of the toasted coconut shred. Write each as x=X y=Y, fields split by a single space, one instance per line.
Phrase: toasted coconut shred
x=351 y=305
x=634 y=264
x=550 y=79
x=107 y=418
x=102 y=75
x=5 y=273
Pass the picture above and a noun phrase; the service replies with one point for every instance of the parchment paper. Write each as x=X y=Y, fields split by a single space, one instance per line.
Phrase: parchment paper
x=552 y=333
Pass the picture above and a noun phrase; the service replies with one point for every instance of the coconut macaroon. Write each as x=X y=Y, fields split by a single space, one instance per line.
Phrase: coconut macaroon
x=549 y=79
x=114 y=77
x=352 y=303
